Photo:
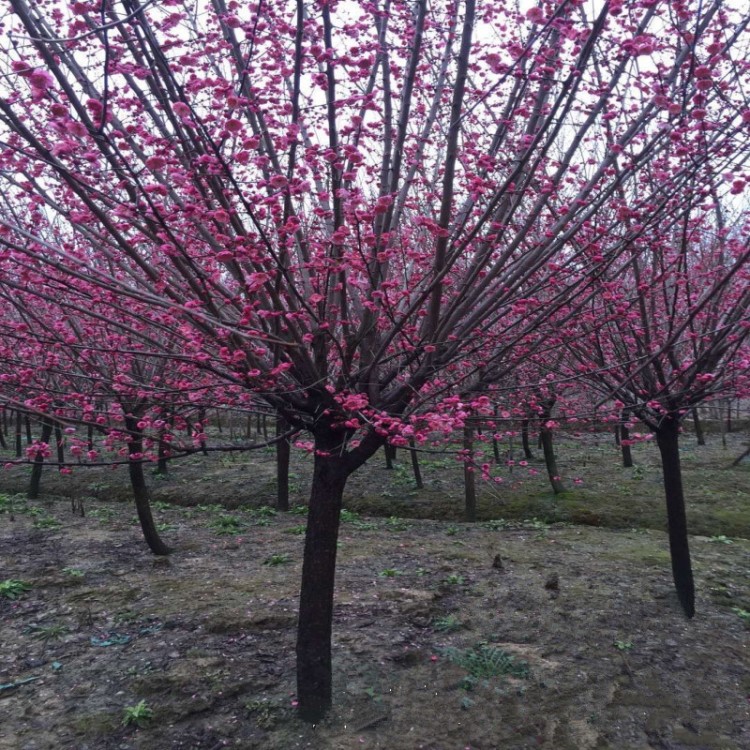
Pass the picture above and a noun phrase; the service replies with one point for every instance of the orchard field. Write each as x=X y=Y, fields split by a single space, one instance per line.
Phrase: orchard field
x=551 y=622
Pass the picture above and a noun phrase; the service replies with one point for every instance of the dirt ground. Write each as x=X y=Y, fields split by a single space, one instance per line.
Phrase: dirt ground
x=500 y=635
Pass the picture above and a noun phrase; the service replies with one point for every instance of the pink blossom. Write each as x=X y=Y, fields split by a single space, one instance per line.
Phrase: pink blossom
x=155 y=162
x=535 y=15
x=181 y=109
x=41 y=79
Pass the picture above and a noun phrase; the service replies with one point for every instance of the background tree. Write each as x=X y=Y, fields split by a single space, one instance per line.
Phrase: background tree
x=669 y=335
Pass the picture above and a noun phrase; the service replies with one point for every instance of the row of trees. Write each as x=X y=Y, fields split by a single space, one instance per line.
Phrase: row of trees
x=375 y=219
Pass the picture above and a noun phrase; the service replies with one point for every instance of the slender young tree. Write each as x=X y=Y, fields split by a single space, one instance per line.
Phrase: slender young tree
x=669 y=335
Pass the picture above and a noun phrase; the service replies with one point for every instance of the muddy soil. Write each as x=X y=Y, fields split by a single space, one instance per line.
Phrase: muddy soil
x=517 y=632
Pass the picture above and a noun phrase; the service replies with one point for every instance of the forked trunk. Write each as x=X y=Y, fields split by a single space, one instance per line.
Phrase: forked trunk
x=667 y=438
x=314 y=677
x=140 y=490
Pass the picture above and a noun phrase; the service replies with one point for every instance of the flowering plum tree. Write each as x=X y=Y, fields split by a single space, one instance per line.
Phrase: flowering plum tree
x=356 y=212
x=90 y=370
x=668 y=332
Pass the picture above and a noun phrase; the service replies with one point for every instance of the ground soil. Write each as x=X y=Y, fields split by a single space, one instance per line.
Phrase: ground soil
x=429 y=612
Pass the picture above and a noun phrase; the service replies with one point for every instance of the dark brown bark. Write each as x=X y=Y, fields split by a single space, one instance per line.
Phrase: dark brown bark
x=550 y=460
x=390 y=455
x=19 y=434
x=60 y=445
x=140 y=490
x=162 y=464
x=547 y=446
x=667 y=438
x=36 y=470
x=698 y=426
x=314 y=675
x=470 y=494
x=527 y=454
x=415 y=464
x=737 y=461
x=202 y=418
x=627 y=453
x=283 y=453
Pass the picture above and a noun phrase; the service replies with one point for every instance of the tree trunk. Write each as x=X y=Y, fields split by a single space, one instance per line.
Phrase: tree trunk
x=737 y=461
x=19 y=434
x=140 y=490
x=202 y=418
x=470 y=494
x=495 y=442
x=29 y=436
x=496 y=448
x=314 y=678
x=60 y=445
x=162 y=464
x=415 y=464
x=627 y=454
x=388 y=456
x=701 y=438
x=667 y=438
x=283 y=452
x=527 y=454
x=551 y=461
x=36 y=470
